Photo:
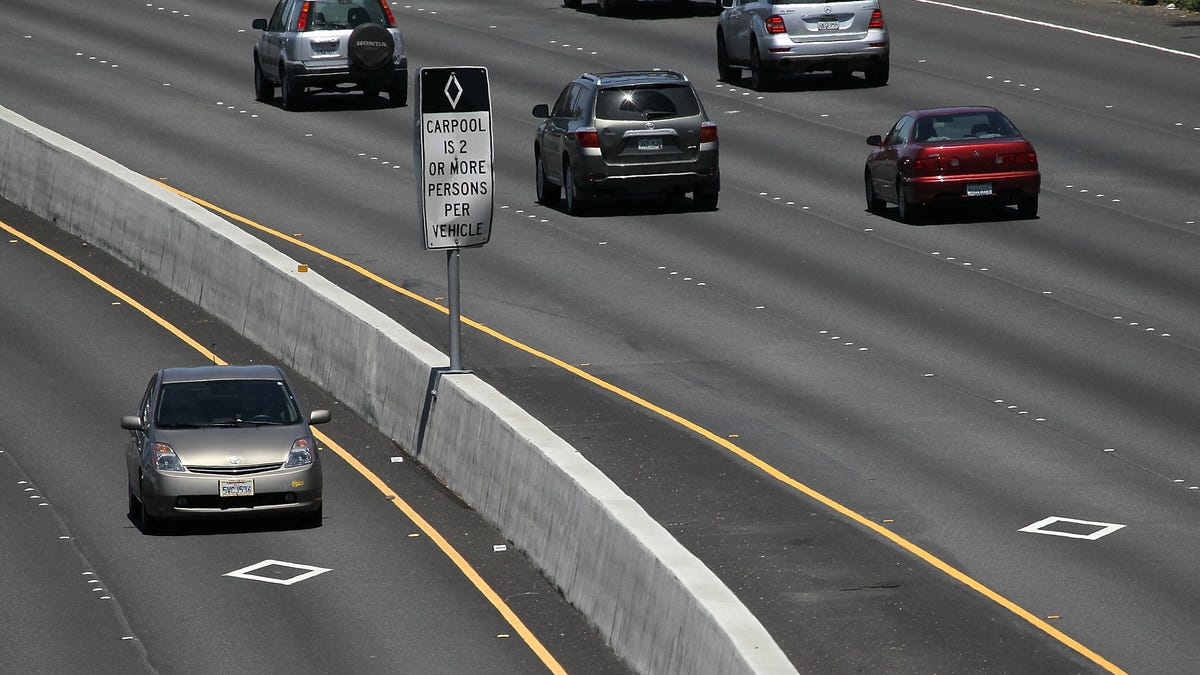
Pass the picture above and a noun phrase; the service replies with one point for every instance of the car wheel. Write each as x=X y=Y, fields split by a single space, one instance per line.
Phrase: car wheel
x=1028 y=207
x=877 y=75
x=313 y=519
x=761 y=76
x=874 y=203
x=289 y=96
x=571 y=4
x=264 y=89
x=398 y=94
x=370 y=46
x=135 y=507
x=725 y=72
x=548 y=194
x=908 y=210
x=150 y=524
x=705 y=201
x=574 y=203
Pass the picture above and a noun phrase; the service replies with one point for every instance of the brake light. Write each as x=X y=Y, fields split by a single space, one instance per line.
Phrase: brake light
x=1018 y=159
x=708 y=132
x=387 y=11
x=302 y=22
x=927 y=164
x=775 y=25
x=876 y=20
x=587 y=138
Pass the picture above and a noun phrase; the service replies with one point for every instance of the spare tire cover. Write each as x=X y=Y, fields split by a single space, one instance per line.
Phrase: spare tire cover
x=370 y=46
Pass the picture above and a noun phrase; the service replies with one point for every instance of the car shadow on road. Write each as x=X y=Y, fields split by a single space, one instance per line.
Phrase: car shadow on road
x=802 y=82
x=634 y=205
x=340 y=102
x=657 y=10
x=959 y=215
x=206 y=527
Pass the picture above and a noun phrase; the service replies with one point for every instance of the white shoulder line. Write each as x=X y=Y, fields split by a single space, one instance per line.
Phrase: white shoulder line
x=1058 y=27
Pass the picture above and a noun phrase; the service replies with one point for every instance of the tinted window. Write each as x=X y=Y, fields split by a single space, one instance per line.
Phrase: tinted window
x=226 y=402
x=646 y=103
x=965 y=126
x=341 y=14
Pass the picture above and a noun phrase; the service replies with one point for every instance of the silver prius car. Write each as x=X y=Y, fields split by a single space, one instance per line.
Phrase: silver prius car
x=222 y=440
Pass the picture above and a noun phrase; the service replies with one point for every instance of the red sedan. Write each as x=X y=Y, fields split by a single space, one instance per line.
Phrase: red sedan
x=952 y=155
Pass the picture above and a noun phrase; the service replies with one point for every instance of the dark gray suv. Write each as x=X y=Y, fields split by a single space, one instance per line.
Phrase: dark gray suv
x=329 y=45
x=628 y=132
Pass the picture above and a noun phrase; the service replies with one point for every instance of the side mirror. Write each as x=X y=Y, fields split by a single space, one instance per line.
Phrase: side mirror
x=319 y=417
x=132 y=423
x=259 y=24
x=875 y=140
x=541 y=111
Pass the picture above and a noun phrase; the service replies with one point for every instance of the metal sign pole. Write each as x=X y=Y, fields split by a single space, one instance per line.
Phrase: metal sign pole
x=452 y=263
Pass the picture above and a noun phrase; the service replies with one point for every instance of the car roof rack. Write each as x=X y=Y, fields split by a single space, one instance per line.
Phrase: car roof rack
x=622 y=75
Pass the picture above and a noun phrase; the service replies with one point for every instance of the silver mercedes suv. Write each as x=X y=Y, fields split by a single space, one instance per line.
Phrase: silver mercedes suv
x=770 y=38
x=329 y=45
x=626 y=132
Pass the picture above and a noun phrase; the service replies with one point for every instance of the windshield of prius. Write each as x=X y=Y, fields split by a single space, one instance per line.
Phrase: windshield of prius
x=646 y=103
x=226 y=403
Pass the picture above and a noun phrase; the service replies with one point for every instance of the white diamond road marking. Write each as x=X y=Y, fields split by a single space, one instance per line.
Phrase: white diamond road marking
x=1102 y=529
x=245 y=572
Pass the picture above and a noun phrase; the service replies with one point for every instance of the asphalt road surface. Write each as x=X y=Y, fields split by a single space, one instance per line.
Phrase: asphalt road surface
x=964 y=446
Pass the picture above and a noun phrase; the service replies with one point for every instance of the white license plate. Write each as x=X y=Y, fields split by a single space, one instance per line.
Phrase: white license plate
x=828 y=25
x=650 y=144
x=979 y=189
x=237 y=487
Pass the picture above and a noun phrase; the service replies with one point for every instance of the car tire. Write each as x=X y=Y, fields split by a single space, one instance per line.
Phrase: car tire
x=877 y=75
x=1027 y=207
x=705 y=201
x=548 y=194
x=725 y=72
x=135 y=507
x=604 y=7
x=264 y=89
x=289 y=96
x=313 y=519
x=398 y=94
x=571 y=4
x=761 y=75
x=908 y=210
x=370 y=46
x=574 y=204
x=874 y=203
x=150 y=524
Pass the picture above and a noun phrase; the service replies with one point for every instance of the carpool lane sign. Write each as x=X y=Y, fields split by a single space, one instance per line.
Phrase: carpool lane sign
x=454 y=156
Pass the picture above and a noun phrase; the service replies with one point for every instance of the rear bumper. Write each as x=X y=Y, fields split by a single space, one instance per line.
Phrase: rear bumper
x=347 y=77
x=600 y=177
x=782 y=53
x=1007 y=188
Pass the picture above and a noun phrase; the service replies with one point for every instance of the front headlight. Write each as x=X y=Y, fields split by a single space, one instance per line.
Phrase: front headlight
x=163 y=458
x=301 y=454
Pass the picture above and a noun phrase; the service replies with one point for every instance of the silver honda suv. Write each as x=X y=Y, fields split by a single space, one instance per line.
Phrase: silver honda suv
x=770 y=38
x=329 y=45
x=627 y=132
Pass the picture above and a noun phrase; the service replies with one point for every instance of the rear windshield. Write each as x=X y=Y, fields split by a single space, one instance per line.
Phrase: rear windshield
x=646 y=103
x=342 y=14
x=226 y=403
x=964 y=126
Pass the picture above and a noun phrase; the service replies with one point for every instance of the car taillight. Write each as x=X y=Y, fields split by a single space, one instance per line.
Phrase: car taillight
x=876 y=20
x=1018 y=159
x=587 y=138
x=927 y=164
x=775 y=25
x=302 y=22
x=387 y=11
x=708 y=132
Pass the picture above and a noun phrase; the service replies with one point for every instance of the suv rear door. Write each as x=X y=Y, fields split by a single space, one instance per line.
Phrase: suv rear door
x=832 y=21
x=648 y=123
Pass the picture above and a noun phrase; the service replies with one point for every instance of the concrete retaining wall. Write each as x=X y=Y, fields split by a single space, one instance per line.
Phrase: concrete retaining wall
x=659 y=606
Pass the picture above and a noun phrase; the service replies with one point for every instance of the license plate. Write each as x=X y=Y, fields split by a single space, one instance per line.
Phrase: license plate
x=239 y=487
x=979 y=189
x=829 y=25
x=650 y=144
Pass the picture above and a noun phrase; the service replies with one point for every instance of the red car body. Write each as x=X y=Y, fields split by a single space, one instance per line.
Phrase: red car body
x=952 y=155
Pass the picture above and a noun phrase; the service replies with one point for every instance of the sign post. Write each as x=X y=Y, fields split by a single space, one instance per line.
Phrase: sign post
x=453 y=153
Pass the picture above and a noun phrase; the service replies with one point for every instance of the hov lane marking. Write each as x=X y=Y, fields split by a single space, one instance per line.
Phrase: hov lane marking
x=308 y=572
x=1100 y=529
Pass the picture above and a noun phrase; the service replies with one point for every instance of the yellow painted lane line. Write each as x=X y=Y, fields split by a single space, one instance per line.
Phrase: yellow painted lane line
x=450 y=552
x=757 y=462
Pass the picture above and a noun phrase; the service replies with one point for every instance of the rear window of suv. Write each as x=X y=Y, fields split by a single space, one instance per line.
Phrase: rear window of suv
x=340 y=15
x=646 y=103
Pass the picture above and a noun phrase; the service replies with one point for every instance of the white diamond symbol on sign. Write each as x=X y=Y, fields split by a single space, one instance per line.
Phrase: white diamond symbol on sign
x=458 y=91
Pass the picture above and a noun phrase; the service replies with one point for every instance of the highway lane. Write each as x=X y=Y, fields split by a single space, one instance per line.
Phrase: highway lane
x=83 y=586
x=961 y=318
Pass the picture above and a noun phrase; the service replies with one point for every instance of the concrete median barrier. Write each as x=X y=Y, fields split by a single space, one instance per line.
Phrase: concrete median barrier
x=659 y=606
